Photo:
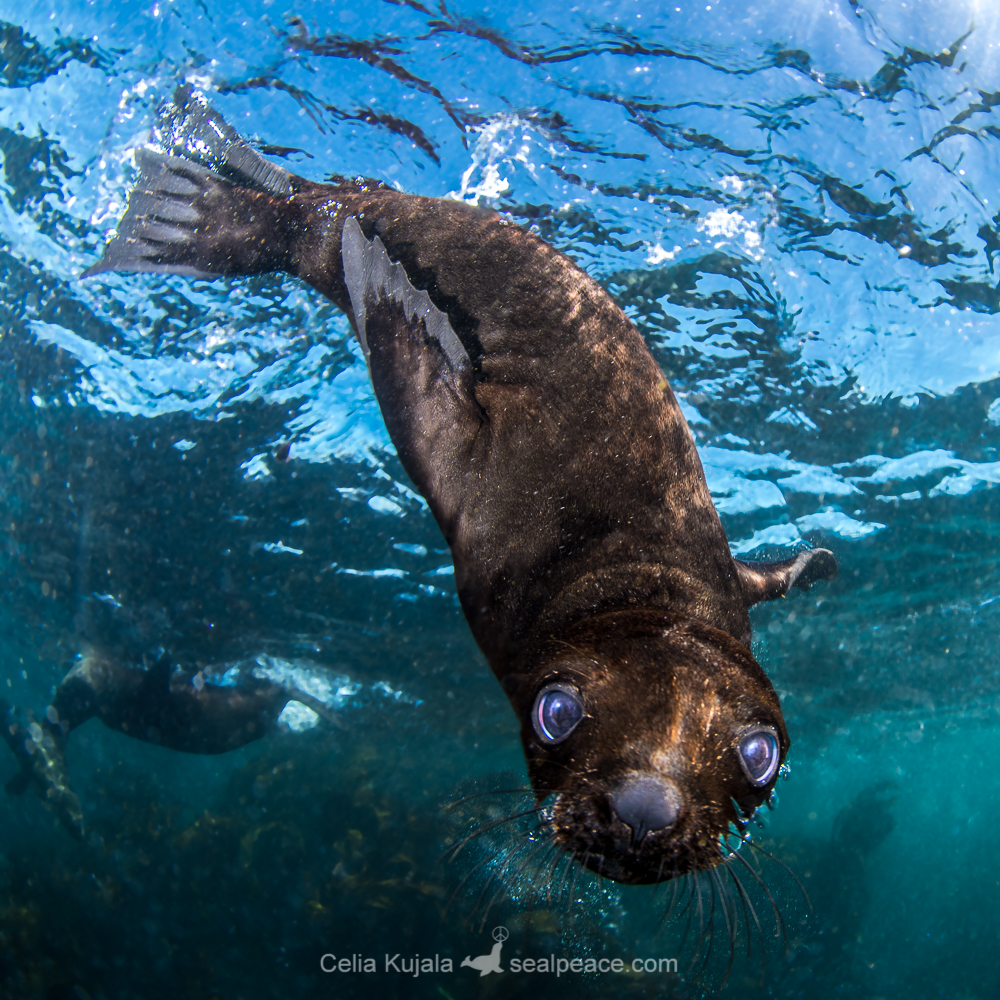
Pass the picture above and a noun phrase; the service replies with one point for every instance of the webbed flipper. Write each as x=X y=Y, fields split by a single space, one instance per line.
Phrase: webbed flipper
x=420 y=370
x=192 y=128
x=211 y=205
x=764 y=581
x=40 y=749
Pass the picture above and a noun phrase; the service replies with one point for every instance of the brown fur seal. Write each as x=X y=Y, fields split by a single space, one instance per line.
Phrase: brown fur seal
x=158 y=703
x=589 y=559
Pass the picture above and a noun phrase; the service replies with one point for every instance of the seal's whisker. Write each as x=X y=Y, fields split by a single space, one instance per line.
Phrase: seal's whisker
x=489 y=859
x=494 y=899
x=519 y=864
x=696 y=877
x=566 y=879
x=552 y=865
x=454 y=803
x=659 y=869
x=582 y=867
x=569 y=768
x=779 y=923
x=741 y=894
x=705 y=923
x=676 y=883
x=705 y=934
x=479 y=864
x=485 y=828
x=732 y=898
x=489 y=906
x=563 y=878
x=788 y=871
x=720 y=887
x=568 y=668
x=546 y=864
x=738 y=882
x=479 y=900
x=710 y=922
x=503 y=888
x=662 y=889
x=540 y=852
x=748 y=903
x=686 y=909
x=576 y=869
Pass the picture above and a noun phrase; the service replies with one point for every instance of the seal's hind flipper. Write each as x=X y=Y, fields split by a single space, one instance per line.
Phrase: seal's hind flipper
x=764 y=581
x=211 y=206
x=41 y=752
x=420 y=370
x=192 y=129
x=156 y=233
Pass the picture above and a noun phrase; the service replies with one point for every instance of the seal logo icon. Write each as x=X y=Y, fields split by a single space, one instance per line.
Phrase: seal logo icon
x=491 y=962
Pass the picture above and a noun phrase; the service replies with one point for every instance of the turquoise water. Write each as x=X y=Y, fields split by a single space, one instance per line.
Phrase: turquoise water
x=799 y=205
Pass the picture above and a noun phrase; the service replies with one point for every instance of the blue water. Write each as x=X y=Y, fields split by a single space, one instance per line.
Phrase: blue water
x=799 y=206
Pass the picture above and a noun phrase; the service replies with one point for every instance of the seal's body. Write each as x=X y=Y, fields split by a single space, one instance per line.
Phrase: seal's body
x=589 y=559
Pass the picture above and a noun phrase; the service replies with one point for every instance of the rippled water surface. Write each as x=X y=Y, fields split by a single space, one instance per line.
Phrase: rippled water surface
x=798 y=205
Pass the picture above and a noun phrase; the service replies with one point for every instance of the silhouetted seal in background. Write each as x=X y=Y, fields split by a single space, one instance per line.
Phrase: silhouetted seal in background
x=158 y=703
x=589 y=559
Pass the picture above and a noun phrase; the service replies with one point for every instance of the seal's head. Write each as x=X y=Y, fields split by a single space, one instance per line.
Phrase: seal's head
x=654 y=738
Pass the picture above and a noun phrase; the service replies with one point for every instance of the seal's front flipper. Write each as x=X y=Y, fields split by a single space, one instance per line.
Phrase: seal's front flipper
x=212 y=206
x=320 y=708
x=40 y=749
x=764 y=581
x=422 y=374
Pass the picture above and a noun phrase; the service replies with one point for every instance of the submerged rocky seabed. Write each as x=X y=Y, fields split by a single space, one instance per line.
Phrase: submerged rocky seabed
x=798 y=207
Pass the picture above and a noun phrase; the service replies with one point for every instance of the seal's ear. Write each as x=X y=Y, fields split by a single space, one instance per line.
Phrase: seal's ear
x=764 y=581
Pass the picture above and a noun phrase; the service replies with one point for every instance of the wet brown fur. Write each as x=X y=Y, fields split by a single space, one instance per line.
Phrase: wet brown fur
x=566 y=481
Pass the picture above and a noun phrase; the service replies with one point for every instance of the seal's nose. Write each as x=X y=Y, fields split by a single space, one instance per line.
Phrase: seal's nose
x=646 y=803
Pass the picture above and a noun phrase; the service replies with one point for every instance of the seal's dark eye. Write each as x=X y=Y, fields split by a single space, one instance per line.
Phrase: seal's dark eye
x=557 y=712
x=759 y=756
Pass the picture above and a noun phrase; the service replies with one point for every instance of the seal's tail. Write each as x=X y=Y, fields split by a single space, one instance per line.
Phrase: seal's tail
x=207 y=206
